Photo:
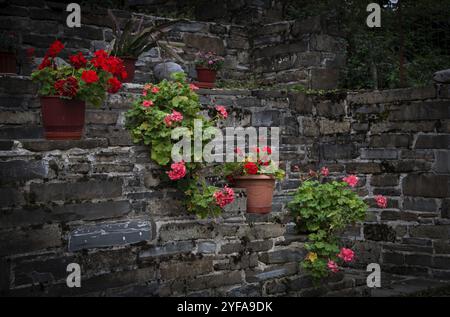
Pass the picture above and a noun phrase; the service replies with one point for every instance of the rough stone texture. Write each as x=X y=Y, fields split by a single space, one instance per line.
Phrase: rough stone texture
x=52 y=189
x=110 y=234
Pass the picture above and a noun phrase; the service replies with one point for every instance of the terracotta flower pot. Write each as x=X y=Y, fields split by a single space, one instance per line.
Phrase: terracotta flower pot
x=206 y=77
x=63 y=119
x=8 y=63
x=259 y=192
x=130 y=67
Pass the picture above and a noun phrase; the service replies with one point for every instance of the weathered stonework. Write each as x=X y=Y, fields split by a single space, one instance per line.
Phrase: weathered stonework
x=53 y=192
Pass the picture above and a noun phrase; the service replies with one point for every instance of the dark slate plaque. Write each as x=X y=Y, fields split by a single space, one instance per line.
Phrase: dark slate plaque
x=110 y=234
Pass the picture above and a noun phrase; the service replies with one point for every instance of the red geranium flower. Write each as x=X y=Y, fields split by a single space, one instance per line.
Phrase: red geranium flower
x=251 y=168
x=55 y=48
x=114 y=85
x=46 y=62
x=78 y=61
x=89 y=76
x=67 y=87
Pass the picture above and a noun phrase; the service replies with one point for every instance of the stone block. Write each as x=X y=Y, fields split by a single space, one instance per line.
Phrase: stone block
x=168 y=249
x=328 y=127
x=23 y=241
x=437 y=141
x=201 y=42
x=186 y=231
x=379 y=154
x=324 y=78
x=442 y=163
x=379 y=232
x=420 y=204
x=269 y=118
x=384 y=180
x=426 y=185
x=11 y=196
x=390 y=141
x=187 y=269
x=62 y=145
x=283 y=49
x=75 y=191
x=338 y=151
x=110 y=235
x=434 y=110
x=284 y=255
x=19 y=171
x=430 y=231
x=392 y=95
x=363 y=168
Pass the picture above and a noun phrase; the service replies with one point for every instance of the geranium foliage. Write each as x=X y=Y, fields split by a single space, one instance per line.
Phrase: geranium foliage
x=323 y=209
x=154 y=116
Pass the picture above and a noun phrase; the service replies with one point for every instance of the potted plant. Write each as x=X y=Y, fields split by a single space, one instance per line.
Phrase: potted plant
x=66 y=88
x=132 y=41
x=8 y=53
x=207 y=66
x=257 y=174
x=170 y=107
x=323 y=209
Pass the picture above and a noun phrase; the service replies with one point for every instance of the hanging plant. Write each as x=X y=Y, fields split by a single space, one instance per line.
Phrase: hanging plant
x=155 y=114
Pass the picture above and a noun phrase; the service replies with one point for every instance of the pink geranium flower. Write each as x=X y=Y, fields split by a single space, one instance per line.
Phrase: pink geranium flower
x=155 y=90
x=175 y=116
x=222 y=112
x=325 y=171
x=224 y=197
x=193 y=87
x=178 y=171
x=381 y=201
x=333 y=266
x=346 y=254
x=351 y=180
x=147 y=103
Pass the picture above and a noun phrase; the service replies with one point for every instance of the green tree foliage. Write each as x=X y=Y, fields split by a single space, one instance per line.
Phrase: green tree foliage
x=418 y=28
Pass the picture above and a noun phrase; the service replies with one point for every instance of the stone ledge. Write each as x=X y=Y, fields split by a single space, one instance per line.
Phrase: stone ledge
x=40 y=145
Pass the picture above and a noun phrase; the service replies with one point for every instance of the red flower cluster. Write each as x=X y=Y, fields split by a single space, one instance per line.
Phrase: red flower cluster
x=46 y=62
x=111 y=64
x=67 y=87
x=224 y=197
x=89 y=76
x=251 y=168
x=78 y=61
x=55 y=49
x=114 y=85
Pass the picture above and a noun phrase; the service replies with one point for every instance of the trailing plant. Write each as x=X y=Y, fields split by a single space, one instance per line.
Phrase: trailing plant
x=258 y=162
x=209 y=60
x=83 y=79
x=134 y=40
x=154 y=116
x=324 y=209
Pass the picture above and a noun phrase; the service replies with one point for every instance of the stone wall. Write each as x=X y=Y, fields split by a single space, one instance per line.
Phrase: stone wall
x=242 y=12
x=56 y=197
x=39 y=23
x=311 y=52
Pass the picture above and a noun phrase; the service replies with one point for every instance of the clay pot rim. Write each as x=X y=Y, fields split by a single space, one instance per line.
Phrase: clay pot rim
x=64 y=99
x=205 y=68
x=255 y=177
